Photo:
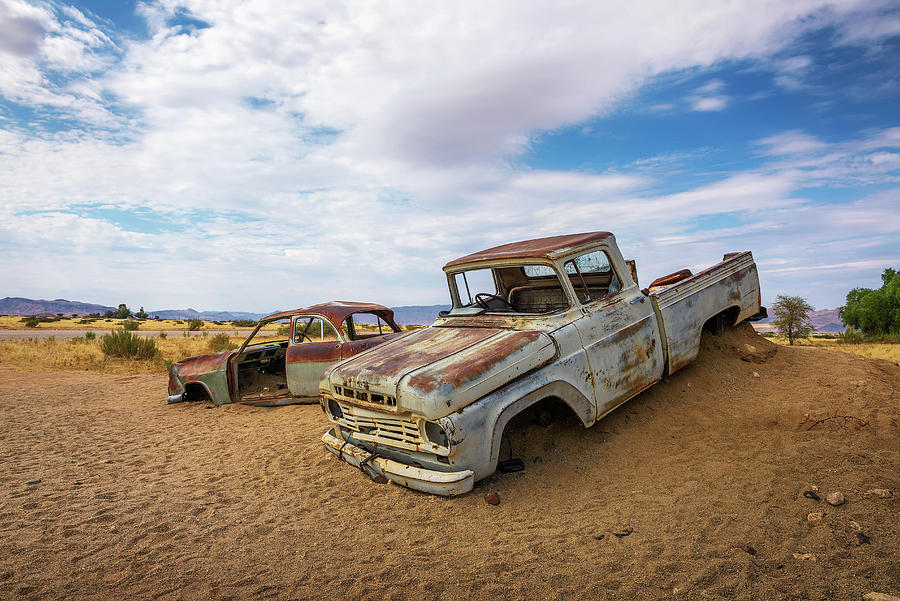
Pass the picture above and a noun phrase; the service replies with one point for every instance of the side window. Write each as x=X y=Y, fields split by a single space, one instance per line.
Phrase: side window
x=364 y=325
x=592 y=276
x=474 y=282
x=313 y=329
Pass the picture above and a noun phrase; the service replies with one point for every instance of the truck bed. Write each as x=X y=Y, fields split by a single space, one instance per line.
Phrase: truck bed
x=684 y=306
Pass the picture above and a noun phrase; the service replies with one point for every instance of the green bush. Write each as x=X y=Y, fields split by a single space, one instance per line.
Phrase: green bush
x=282 y=330
x=163 y=335
x=31 y=322
x=123 y=343
x=243 y=323
x=221 y=342
x=851 y=336
x=131 y=325
x=875 y=312
x=90 y=335
x=195 y=324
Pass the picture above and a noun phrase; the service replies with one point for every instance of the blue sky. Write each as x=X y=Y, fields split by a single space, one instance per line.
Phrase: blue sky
x=249 y=157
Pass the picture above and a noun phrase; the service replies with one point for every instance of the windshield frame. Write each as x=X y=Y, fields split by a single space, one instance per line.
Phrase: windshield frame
x=460 y=309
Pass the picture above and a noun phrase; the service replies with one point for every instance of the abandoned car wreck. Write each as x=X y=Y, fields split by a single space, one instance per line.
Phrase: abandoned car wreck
x=559 y=319
x=285 y=369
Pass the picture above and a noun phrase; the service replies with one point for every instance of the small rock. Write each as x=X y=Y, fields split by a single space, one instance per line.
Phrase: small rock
x=880 y=492
x=624 y=533
x=108 y=461
x=873 y=596
x=809 y=494
x=538 y=459
x=862 y=539
x=33 y=482
x=805 y=556
x=835 y=498
x=816 y=516
x=855 y=525
x=813 y=487
x=492 y=498
x=755 y=562
x=746 y=548
x=78 y=483
x=756 y=374
x=599 y=536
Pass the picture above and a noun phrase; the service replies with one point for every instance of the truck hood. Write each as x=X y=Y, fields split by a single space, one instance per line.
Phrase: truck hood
x=437 y=370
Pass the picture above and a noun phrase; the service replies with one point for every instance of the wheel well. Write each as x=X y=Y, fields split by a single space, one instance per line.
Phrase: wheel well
x=715 y=323
x=537 y=416
x=196 y=392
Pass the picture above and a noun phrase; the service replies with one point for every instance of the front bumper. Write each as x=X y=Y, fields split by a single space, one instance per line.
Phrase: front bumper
x=175 y=398
x=430 y=481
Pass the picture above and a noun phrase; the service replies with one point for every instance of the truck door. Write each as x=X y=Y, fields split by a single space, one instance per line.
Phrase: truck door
x=619 y=331
x=314 y=346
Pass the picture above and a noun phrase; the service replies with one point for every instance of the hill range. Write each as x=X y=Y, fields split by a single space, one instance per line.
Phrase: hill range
x=406 y=315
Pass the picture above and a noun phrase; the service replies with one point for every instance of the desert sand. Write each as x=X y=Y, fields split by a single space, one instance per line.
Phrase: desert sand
x=107 y=492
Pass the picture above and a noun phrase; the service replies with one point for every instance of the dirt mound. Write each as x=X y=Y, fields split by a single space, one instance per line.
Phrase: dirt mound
x=109 y=492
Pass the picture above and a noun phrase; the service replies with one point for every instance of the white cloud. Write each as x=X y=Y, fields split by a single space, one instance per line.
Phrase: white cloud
x=312 y=151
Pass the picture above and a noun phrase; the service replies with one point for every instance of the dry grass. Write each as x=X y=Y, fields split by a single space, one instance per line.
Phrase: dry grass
x=13 y=322
x=85 y=355
x=870 y=350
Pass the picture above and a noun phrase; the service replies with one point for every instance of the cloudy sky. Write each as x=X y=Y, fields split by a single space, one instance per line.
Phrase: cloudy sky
x=264 y=155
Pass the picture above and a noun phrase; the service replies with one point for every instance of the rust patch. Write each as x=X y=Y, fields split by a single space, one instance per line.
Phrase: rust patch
x=472 y=363
x=528 y=249
x=670 y=279
x=193 y=367
x=314 y=352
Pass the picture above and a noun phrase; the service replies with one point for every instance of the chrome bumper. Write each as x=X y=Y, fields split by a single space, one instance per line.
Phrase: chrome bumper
x=175 y=398
x=417 y=478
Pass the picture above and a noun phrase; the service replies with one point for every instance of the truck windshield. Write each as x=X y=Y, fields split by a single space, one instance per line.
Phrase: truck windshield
x=532 y=289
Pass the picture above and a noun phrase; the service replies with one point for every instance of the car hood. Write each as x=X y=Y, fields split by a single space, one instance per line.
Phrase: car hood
x=437 y=370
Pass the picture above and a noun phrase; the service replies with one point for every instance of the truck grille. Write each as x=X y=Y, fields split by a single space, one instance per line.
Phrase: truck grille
x=392 y=431
x=354 y=394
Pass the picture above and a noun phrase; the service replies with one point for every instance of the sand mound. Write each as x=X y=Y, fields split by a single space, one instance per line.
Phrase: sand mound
x=665 y=498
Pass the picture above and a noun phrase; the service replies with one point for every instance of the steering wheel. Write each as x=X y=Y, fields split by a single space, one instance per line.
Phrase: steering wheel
x=482 y=299
x=308 y=339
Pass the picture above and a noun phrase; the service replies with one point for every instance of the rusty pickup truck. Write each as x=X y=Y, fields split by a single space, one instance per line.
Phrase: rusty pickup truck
x=284 y=369
x=559 y=319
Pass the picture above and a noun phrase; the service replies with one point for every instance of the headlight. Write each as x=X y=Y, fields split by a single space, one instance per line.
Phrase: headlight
x=435 y=434
x=334 y=409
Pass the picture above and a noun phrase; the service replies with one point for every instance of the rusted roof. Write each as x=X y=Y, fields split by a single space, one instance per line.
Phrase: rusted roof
x=547 y=248
x=338 y=311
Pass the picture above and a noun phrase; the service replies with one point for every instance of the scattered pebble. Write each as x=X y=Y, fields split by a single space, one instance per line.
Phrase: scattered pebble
x=862 y=539
x=816 y=516
x=78 y=483
x=855 y=525
x=492 y=498
x=624 y=533
x=538 y=459
x=873 y=596
x=32 y=482
x=805 y=556
x=746 y=548
x=811 y=495
x=599 y=536
x=880 y=492
x=108 y=461
x=835 y=498
x=755 y=562
x=756 y=374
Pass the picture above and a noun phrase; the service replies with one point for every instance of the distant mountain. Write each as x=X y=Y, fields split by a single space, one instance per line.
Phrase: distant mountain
x=407 y=315
x=423 y=315
x=826 y=321
x=13 y=305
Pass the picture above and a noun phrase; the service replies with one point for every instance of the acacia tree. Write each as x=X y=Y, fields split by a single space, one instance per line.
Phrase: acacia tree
x=875 y=312
x=792 y=317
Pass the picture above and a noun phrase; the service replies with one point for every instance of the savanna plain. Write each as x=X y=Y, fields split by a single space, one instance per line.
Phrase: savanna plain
x=712 y=484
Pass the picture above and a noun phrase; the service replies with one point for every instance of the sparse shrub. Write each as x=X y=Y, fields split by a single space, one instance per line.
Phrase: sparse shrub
x=195 y=324
x=130 y=325
x=31 y=322
x=851 y=336
x=123 y=343
x=163 y=335
x=221 y=342
x=204 y=334
x=90 y=336
x=243 y=323
x=282 y=330
x=185 y=334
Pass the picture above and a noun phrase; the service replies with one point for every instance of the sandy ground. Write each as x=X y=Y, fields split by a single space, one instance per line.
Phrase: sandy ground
x=142 y=500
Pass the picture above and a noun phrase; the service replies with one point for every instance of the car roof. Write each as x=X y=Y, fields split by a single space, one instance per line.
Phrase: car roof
x=338 y=311
x=544 y=248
